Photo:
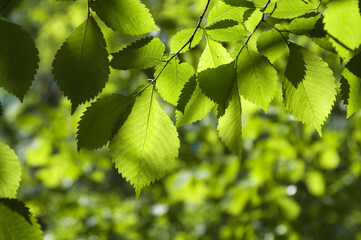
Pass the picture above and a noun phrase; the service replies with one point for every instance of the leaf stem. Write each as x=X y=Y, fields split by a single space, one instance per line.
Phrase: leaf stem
x=198 y=26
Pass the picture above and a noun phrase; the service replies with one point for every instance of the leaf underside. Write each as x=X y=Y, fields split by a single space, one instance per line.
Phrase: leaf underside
x=145 y=147
x=18 y=59
x=125 y=16
x=10 y=171
x=144 y=53
x=81 y=65
x=312 y=100
x=102 y=120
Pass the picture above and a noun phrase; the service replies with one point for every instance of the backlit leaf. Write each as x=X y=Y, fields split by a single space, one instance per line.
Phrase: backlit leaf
x=186 y=93
x=292 y=9
x=272 y=45
x=342 y=22
x=226 y=31
x=81 y=65
x=257 y=79
x=223 y=11
x=144 y=53
x=125 y=16
x=10 y=172
x=312 y=100
x=145 y=147
x=172 y=79
x=182 y=37
x=217 y=82
x=102 y=120
x=354 y=65
x=230 y=124
x=354 y=94
x=18 y=59
x=16 y=221
x=296 y=69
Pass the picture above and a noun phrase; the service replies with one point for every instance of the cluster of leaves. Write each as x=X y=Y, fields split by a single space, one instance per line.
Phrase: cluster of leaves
x=16 y=221
x=264 y=61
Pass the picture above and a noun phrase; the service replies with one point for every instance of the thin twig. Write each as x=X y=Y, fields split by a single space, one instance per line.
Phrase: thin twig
x=178 y=52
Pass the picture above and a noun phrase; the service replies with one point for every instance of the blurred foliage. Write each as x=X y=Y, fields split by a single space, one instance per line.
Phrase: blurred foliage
x=289 y=184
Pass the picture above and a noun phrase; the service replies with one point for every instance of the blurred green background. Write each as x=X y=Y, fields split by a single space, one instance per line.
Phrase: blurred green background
x=289 y=184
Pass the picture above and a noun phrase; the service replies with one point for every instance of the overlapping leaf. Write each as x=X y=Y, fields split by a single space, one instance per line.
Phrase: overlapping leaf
x=292 y=9
x=172 y=80
x=257 y=79
x=296 y=67
x=312 y=100
x=81 y=65
x=217 y=83
x=186 y=93
x=354 y=94
x=354 y=65
x=125 y=16
x=16 y=221
x=9 y=172
x=144 y=53
x=18 y=59
x=272 y=45
x=199 y=105
x=342 y=22
x=230 y=124
x=182 y=37
x=312 y=26
x=102 y=120
x=147 y=144
x=223 y=11
x=226 y=31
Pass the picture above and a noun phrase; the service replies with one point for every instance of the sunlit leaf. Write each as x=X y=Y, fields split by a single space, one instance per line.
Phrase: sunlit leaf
x=342 y=22
x=145 y=147
x=10 y=172
x=182 y=37
x=272 y=45
x=354 y=92
x=312 y=100
x=257 y=79
x=226 y=31
x=172 y=79
x=125 y=16
x=222 y=11
x=16 y=221
x=292 y=9
x=230 y=124
x=144 y=53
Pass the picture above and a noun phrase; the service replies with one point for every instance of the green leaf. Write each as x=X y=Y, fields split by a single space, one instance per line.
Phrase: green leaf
x=230 y=124
x=81 y=65
x=286 y=9
x=186 y=93
x=102 y=120
x=257 y=79
x=10 y=171
x=171 y=81
x=354 y=94
x=16 y=221
x=214 y=54
x=182 y=37
x=18 y=59
x=125 y=16
x=312 y=26
x=312 y=100
x=144 y=53
x=197 y=108
x=217 y=83
x=354 y=65
x=342 y=22
x=226 y=31
x=296 y=66
x=272 y=45
x=147 y=144
x=253 y=20
x=222 y=11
